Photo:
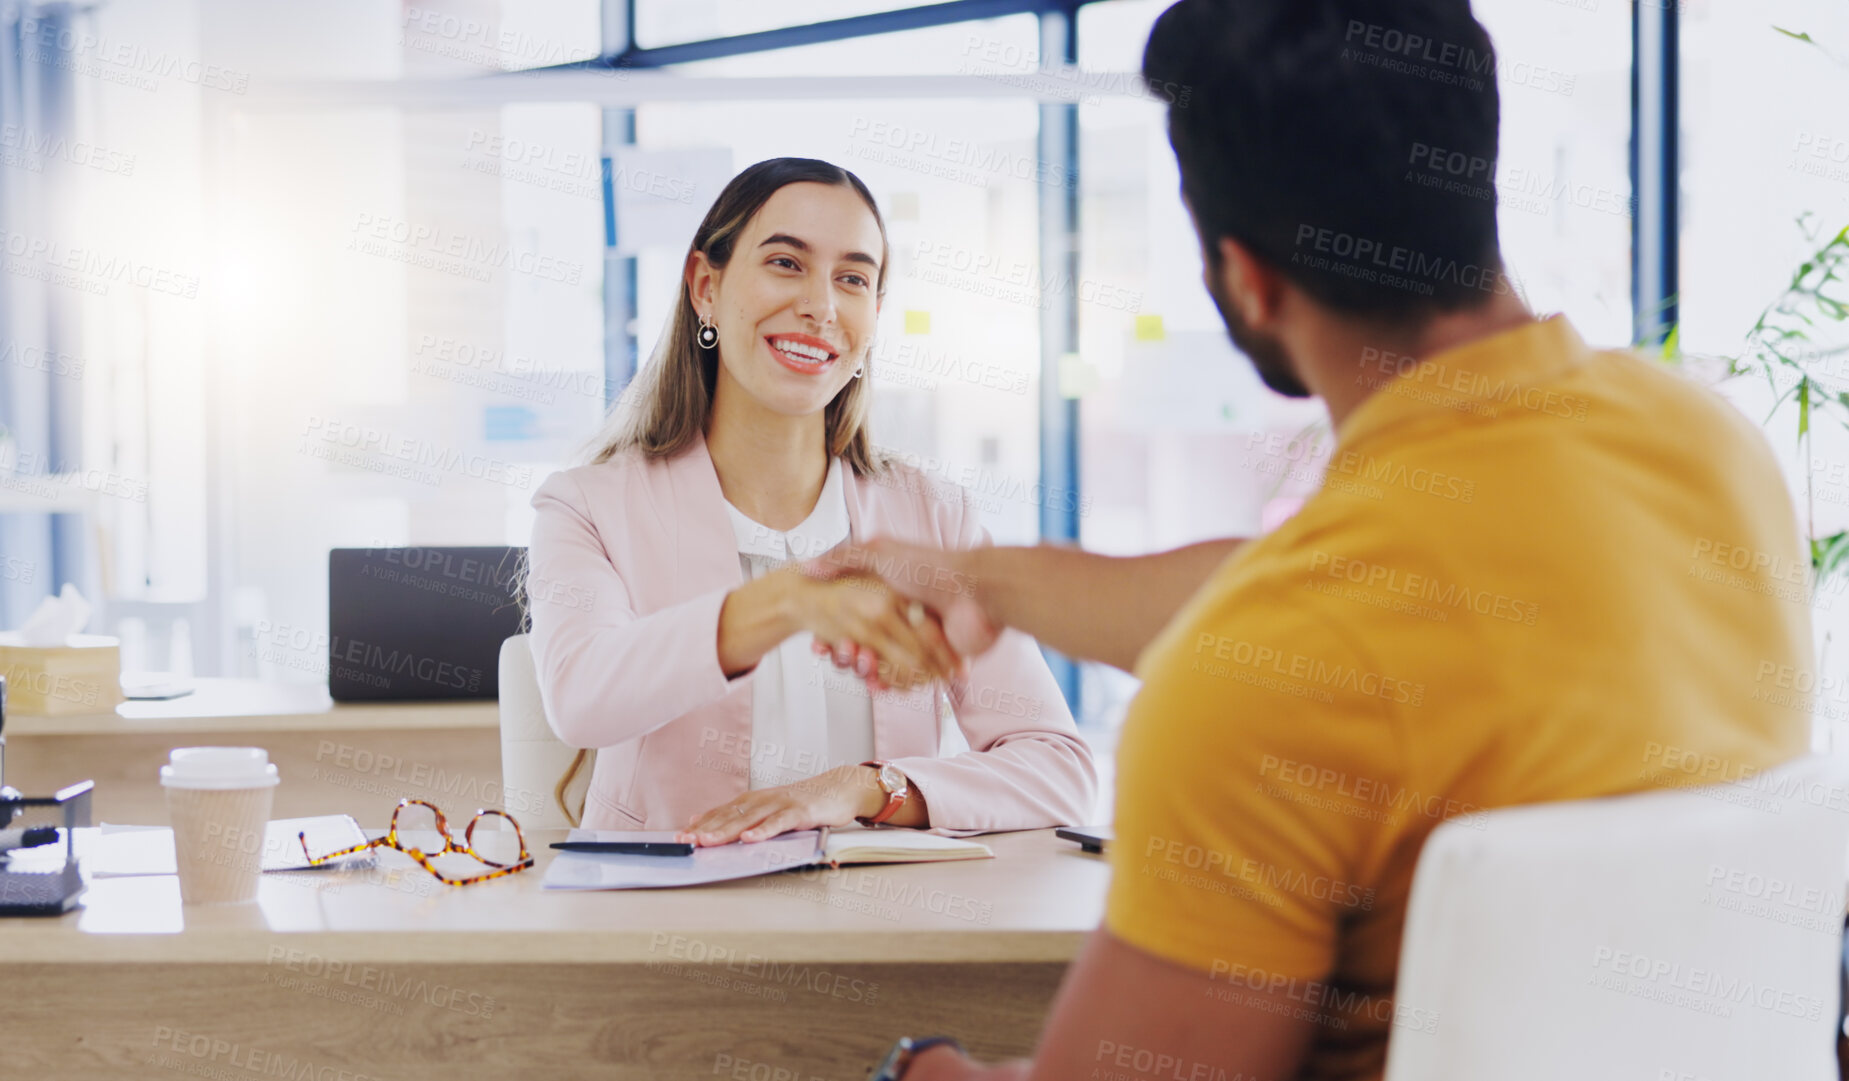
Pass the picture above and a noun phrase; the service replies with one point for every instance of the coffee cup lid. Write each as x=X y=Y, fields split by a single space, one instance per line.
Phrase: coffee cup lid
x=219 y=767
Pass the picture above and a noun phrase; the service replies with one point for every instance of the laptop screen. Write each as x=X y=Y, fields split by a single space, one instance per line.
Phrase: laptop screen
x=419 y=623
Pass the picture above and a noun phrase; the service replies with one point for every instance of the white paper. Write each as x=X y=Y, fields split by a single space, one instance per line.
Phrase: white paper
x=56 y=619
x=721 y=863
x=124 y=851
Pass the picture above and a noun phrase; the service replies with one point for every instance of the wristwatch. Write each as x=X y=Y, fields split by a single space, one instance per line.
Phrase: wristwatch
x=897 y=789
x=903 y=1052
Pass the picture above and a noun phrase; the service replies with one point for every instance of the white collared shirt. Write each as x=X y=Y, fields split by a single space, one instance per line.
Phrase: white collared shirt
x=807 y=716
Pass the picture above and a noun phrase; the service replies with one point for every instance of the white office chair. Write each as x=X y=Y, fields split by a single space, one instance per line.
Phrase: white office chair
x=532 y=757
x=1691 y=934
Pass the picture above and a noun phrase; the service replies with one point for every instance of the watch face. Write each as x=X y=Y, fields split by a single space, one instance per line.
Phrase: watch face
x=891 y=779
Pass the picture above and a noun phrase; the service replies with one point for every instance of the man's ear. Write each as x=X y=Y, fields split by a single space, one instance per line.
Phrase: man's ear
x=1255 y=289
x=702 y=279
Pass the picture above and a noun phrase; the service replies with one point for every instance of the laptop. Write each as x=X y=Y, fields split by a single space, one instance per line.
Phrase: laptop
x=419 y=624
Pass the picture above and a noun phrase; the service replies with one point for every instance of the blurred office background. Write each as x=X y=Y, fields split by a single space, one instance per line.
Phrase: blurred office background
x=285 y=277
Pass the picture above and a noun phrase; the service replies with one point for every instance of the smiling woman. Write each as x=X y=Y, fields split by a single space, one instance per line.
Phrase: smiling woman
x=692 y=670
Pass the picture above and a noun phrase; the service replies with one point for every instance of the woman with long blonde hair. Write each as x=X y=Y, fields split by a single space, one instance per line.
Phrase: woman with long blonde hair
x=672 y=626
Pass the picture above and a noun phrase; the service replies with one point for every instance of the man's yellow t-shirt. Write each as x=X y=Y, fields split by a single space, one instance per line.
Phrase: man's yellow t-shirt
x=1534 y=572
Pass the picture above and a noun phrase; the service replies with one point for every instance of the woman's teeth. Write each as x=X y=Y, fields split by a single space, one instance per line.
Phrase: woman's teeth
x=804 y=352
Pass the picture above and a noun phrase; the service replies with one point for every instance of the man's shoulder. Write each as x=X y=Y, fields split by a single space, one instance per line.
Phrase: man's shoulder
x=1628 y=405
x=1630 y=384
x=1563 y=464
x=1263 y=629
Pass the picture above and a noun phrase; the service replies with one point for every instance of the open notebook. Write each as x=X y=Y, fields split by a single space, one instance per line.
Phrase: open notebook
x=723 y=863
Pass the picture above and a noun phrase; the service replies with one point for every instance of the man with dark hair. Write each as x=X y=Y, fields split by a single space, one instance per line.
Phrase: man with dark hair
x=1535 y=571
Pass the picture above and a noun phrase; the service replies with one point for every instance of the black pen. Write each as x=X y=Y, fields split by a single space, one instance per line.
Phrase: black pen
x=31 y=837
x=627 y=848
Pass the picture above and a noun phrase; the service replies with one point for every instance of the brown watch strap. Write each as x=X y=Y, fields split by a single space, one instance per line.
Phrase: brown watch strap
x=894 y=800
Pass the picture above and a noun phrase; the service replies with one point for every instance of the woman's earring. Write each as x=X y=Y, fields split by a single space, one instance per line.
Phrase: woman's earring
x=709 y=334
x=859 y=368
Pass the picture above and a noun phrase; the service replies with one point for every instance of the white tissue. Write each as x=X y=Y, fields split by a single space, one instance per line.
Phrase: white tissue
x=56 y=619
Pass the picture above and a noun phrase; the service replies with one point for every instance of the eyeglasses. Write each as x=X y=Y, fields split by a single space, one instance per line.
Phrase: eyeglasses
x=467 y=847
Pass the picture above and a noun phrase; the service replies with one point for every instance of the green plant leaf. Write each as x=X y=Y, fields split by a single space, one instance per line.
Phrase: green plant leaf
x=1805 y=38
x=1827 y=557
x=1780 y=345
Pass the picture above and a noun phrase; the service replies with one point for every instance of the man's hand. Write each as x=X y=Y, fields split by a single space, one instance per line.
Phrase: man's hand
x=874 y=629
x=834 y=798
x=944 y=1063
x=943 y=580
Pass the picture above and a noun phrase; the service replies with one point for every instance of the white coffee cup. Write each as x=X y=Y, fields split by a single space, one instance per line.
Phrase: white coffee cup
x=219 y=799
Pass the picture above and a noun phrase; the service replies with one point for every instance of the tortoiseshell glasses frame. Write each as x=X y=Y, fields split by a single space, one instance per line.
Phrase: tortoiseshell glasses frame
x=466 y=848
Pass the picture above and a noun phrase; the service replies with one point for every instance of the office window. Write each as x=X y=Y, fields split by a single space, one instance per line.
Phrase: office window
x=1762 y=149
x=1765 y=183
x=398 y=326
x=1004 y=51
x=434 y=349
x=497 y=35
x=1563 y=179
x=671 y=22
x=405 y=331
x=1180 y=440
x=338 y=209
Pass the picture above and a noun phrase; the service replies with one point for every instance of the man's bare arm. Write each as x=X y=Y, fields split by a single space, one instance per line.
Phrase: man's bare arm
x=1127 y=1012
x=1090 y=606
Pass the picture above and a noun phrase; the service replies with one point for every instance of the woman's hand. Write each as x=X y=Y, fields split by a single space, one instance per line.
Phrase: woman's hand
x=834 y=798
x=945 y=581
x=887 y=639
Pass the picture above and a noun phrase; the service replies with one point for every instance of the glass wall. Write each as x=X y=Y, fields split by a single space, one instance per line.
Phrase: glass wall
x=384 y=324
x=399 y=327
x=671 y=22
x=1563 y=187
x=1765 y=185
x=1180 y=441
x=465 y=262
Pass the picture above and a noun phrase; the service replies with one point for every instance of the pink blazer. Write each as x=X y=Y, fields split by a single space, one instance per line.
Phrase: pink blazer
x=629 y=564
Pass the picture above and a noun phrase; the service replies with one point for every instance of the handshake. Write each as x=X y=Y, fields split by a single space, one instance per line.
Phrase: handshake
x=897 y=615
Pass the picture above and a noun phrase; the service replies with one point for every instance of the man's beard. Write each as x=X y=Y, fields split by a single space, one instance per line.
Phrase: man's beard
x=1266 y=354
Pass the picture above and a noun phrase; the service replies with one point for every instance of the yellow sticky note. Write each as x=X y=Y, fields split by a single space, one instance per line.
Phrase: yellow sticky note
x=917 y=322
x=1149 y=328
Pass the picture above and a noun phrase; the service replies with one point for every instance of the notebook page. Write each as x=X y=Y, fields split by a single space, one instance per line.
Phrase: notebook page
x=901 y=843
x=721 y=863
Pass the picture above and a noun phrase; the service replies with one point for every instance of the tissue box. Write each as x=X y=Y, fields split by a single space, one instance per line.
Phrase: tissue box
x=82 y=676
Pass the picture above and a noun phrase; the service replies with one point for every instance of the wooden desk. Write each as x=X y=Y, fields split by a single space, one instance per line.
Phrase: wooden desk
x=385 y=974
x=357 y=759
